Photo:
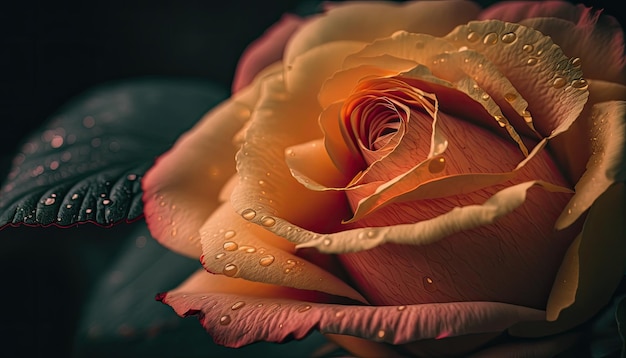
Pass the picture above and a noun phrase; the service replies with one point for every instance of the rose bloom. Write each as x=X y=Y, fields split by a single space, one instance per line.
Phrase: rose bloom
x=419 y=178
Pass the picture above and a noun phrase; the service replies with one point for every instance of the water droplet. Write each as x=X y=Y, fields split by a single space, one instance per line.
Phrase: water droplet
x=261 y=182
x=473 y=36
x=510 y=97
x=266 y=260
x=268 y=221
x=485 y=96
x=509 y=37
x=327 y=242
x=531 y=61
x=220 y=255
x=229 y=234
x=381 y=334
x=576 y=62
x=74 y=196
x=490 y=39
x=230 y=246
x=437 y=165
x=401 y=308
x=248 y=214
x=174 y=232
x=304 y=308
x=230 y=270
x=237 y=305
x=287 y=270
x=49 y=201
x=88 y=211
x=340 y=314
x=69 y=206
x=580 y=84
x=247 y=249
x=429 y=284
x=106 y=202
x=528 y=48
x=559 y=82
x=225 y=320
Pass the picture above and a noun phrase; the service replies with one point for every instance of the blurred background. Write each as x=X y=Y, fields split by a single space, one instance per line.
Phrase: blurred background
x=51 y=51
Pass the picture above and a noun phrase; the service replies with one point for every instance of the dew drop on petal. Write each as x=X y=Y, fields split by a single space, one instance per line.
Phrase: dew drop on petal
x=230 y=270
x=327 y=242
x=509 y=37
x=266 y=260
x=576 y=62
x=248 y=214
x=106 y=202
x=473 y=37
x=268 y=221
x=580 y=84
x=49 y=201
x=490 y=38
x=304 y=308
x=510 y=97
x=531 y=61
x=437 y=165
x=225 y=320
x=229 y=234
x=429 y=284
x=528 y=48
x=401 y=308
x=230 y=246
x=559 y=82
x=220 y=255
x=381 y=334
x=237 y=305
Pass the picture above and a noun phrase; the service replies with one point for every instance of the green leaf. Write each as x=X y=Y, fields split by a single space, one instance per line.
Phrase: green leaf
x=123 y=319
x=86 y=162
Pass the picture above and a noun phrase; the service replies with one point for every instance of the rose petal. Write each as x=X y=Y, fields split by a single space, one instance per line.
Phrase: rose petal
x=515 y=11
x=607 y=148
x=420 y=233
x=183 y=187
x=598 y=252
x=598 y=42
x=540 y=71
x=580 y=31
x=266 y=183
x=572 y=149
x=235 y=318
x=346 y=23
x=235 y=248
x=265 y=50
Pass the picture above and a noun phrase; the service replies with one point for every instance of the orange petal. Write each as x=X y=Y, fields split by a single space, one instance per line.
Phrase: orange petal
x=360 y=21
x=234 y=247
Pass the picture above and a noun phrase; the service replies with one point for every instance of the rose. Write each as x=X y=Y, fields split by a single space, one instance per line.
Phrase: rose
x=400 y=181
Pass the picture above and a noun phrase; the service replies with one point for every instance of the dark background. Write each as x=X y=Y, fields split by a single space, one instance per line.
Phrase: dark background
x=51 y=51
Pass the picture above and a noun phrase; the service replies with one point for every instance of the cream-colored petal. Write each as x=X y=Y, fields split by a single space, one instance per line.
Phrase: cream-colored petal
x=360 y=21
x=551 y=83
x=310 y=164
x=286 y=115
x=421 y=233
x=236 y=248
x=183 y=187
x=591 y=270
x=597 y=40
x=605 y=138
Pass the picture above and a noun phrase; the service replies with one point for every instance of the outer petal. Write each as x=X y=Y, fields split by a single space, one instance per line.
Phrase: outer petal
x=235 y=248
x=604 y=142
x=360 y=21
x=235 y=318
x=182 y=188
x=599 y=251
x=266 y=50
